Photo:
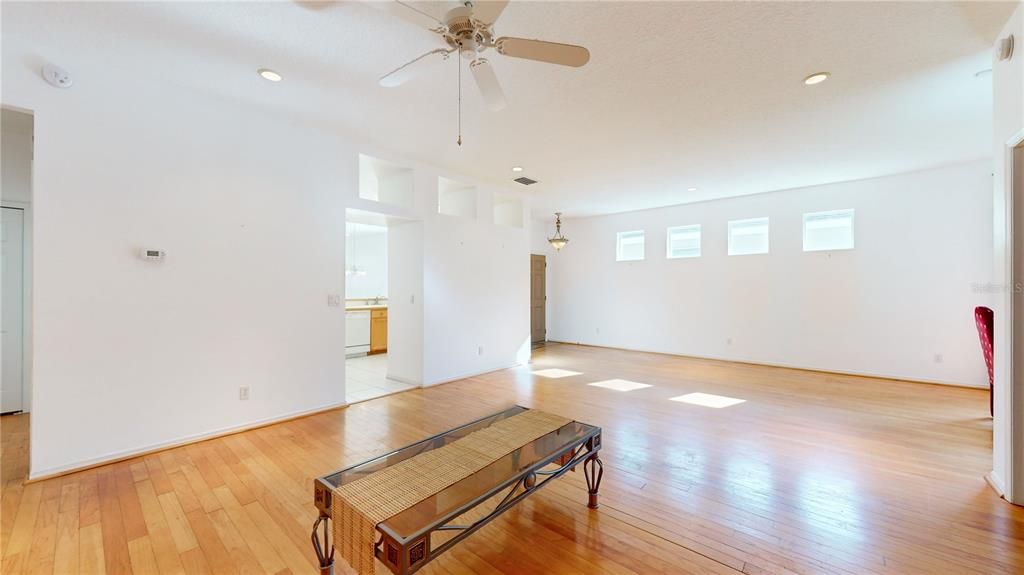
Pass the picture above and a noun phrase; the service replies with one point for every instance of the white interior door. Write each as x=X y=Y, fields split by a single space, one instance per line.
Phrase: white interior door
x=12 y=231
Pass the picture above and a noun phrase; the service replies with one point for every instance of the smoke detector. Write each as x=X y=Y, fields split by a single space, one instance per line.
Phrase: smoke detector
x=56 y=76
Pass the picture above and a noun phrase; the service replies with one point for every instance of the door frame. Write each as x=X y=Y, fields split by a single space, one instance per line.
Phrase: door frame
x=1013 y=403
x=27 y=270
x=545 y=260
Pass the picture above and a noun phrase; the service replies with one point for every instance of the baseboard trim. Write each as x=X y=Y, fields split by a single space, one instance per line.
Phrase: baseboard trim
x=163 y=446
x=995 y=483
x=469 y=375
x=404 y=380
x=197 y=438
x=779 y=365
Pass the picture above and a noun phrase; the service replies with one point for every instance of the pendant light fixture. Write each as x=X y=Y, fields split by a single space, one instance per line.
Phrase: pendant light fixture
x=558 y=241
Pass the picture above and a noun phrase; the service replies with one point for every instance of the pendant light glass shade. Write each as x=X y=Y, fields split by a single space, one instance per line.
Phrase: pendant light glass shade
x=558 y=241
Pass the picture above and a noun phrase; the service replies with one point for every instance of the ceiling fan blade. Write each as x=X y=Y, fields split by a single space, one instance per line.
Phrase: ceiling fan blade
x=551 y=52
x=487 y=81
x=487 y=11
x=410 y=70
x=418 y=13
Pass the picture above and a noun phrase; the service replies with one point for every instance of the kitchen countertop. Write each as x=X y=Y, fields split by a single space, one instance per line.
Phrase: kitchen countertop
x=366 y=307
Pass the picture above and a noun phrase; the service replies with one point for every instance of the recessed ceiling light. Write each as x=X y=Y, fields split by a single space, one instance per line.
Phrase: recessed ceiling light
x=268 y=74
x=517 y=168
x=691 y=189
x=816 y=78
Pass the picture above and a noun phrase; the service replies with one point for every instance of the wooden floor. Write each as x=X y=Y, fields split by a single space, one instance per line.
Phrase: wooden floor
x=814 y=473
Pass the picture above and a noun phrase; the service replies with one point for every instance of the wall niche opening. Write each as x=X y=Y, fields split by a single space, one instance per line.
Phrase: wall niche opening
x=386 y=182
x=456 y=198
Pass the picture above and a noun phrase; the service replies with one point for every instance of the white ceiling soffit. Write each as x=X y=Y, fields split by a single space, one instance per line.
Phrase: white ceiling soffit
x=676 y=94
x=361 y=229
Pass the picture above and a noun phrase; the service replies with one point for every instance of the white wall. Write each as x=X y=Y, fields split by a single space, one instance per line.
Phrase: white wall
x=366 y=250
x=508 y=211
x=405 y=302
x=466 y=258
x=888 y=307
x=1008 y=121
x=131 y=354
x=473 y=281
x=250 y=208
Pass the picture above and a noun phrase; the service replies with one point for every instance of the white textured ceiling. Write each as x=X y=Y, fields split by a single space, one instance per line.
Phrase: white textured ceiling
x=676 y=95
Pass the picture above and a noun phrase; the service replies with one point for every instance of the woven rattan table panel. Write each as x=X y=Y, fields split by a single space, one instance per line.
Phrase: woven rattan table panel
x=359 y=506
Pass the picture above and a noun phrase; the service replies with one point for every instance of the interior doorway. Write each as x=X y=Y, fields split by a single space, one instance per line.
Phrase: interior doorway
x=16 y=261
x=12 y=230
x=17 y=132
x=375 y=349
x=538 y=299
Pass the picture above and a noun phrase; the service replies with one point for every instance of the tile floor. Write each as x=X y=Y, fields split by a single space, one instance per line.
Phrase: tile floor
x=366 y=378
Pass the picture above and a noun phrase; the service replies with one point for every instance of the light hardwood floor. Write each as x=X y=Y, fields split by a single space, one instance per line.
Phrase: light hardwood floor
x=814 y=473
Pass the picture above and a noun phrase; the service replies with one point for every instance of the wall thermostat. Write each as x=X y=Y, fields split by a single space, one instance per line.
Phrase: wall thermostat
x=152 y=255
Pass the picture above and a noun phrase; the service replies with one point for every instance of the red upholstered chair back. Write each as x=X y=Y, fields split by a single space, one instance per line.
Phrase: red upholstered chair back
x=983 y=317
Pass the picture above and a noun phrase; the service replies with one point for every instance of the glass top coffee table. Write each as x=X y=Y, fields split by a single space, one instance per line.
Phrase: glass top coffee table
x=412 y=538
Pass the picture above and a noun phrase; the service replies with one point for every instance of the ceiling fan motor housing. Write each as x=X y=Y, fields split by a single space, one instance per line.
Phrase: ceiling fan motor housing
x=465 y=34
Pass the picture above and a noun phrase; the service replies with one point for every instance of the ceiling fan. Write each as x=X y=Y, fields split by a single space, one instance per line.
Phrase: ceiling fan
x=468 y=29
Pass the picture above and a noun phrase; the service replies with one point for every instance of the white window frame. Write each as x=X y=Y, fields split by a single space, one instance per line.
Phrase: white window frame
x=738 y=223
x=688 y=227
x=618 y=246
x=853 y=229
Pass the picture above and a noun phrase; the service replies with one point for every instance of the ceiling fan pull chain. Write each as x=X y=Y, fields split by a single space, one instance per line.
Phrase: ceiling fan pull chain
x=458 y=62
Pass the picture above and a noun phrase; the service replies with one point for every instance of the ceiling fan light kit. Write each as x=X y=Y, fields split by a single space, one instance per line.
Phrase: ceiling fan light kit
x=468 y=29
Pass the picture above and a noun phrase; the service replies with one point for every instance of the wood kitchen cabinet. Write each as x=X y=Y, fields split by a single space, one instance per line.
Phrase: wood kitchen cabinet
x=379 y=331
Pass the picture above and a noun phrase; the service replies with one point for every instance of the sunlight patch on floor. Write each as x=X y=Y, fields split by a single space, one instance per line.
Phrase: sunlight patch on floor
x=619 y=384
x=708 y=400
x=555 y=373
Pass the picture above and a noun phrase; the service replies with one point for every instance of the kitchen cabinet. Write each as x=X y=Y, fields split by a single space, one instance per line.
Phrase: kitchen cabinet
x=379 y=330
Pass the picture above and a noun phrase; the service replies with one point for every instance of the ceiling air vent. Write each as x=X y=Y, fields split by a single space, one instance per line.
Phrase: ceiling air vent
x=525 y=181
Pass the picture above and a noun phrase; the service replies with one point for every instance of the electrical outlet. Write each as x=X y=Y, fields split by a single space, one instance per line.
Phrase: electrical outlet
x=597 y=330
x=728 y=341
x=480 y=350
x=938 y=358
x=243 y=392
x=333 y=300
